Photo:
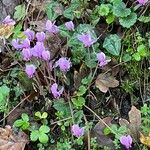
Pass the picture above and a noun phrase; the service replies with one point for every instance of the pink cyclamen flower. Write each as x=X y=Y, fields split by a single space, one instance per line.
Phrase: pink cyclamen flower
x=54 y=89
x=46 y=55
x=38 y=49
x=86 y=39
x=8 y=21
x=126 y=141
x=102 y=59
x=64 y=64
x=40 y=36
x=26 y=53
x=15 y=43
x=51 y=27
x=30 y=34
x=142 y=2
x=25 y=43
x=30 y=70
x=69 y=25
x=77 y=131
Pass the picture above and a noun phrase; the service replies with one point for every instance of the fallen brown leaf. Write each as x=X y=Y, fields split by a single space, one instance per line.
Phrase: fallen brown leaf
x=102 y=139
x=12 y=141
x=105 y=81
x=134 y=122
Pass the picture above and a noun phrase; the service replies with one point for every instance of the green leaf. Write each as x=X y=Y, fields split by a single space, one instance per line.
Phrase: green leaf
x=25 y=125
x=34 y=135
x=103 y=9
x=86 y=80
x=78 y=116
x=20 y=12
x=64 y=31
x=127 y=57
x=142 y=50
x=62 y=107
x=44 y=129
x=137 y=56
x=17 y=32
x=78 y=102
x=1 y=97
x=128 y=21
x=25 y=117
x=18 y=123
x=112 y=44
x=54 y=9
x=43 y=138
x=44 y=115
x=120 y=10
x=91 y=60
x=82 y=90
x=106 y=131
x=69 y=12
x=4 y=90
x=38 y=114
x=110 y=18
x=144 y=19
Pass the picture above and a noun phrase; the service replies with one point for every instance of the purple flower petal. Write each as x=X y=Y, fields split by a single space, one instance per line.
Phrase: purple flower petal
x=38 y=49
x=142 y=2
x=77 y=131
x=46 y=55
x=30 y=34
x=64 y=64
x=26 y=53
x=126 y=141
x=54 y=89
x=51 y=27
x=25 y=43
x=69 y=25
x=40 y=36
x=8 y=21
x=30 y=70
x=86 y=39
x=102 y=59
x=15 y=43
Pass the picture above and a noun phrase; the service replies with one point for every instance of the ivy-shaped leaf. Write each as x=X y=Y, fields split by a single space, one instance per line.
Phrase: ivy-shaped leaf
x=128 y=21
x=112 y=44
x=120 y=10
x=54 y=9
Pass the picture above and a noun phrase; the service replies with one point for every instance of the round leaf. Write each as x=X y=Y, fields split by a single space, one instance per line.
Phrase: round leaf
x=25 y=117
x=44 y=115
x=44 y=129
x=18 y=123
x=34 y=135
x=43 y=138
x=128 y=21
